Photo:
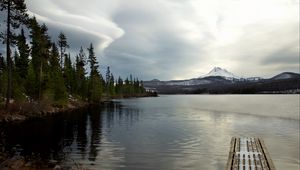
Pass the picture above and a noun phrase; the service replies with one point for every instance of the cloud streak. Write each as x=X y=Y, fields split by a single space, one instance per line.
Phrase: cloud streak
x=68 y=18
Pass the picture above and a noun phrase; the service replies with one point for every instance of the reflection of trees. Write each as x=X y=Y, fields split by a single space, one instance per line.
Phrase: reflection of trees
x=96 y=130
x=53 y=138
x=42 y=137
x=81 y=133
x=68 y=130
x=49 y=138
x=116 y=113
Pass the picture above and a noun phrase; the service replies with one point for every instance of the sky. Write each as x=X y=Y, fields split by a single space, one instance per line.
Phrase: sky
x=179 y=39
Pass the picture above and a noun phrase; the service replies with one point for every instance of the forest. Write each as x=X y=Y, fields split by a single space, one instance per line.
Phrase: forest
x=36 y=69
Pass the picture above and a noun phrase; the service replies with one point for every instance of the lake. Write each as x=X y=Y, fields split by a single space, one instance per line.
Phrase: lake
x=169 y=132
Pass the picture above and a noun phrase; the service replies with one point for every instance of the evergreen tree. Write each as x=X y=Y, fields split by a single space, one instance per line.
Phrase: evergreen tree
x=136 y=85
x=40 y=45
x=63 y=45
x=142 y=89
x=18 y=89
x=119 y=86
x=22 y=61
x=107 y=80
x=16 y=57
x=15 y=16
x=57 y=83
x=126 y=86
x=112 y=85
x=69 y=74
x=2 y=76
x=81 y=86
x=131 y=90
x=95 y=79
x=54 y=58
x=49 y=74
x=31 y=85
x=2 y=64
x=92 y=60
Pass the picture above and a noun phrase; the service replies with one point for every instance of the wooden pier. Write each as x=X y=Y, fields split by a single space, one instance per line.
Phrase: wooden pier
x=248 y=154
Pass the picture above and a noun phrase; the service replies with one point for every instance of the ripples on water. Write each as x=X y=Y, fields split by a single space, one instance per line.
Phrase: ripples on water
x=168 y=132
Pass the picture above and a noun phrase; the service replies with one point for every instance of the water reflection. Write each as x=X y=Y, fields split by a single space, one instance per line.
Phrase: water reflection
x=122 y=115
x=169 y=132
x=68 y=137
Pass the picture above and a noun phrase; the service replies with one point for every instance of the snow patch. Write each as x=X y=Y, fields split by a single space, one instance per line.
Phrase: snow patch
x=217 y=71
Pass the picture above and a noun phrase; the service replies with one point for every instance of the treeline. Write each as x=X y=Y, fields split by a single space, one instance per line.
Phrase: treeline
x=44 y=71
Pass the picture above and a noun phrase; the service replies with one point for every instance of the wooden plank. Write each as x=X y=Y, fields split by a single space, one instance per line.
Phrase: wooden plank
x=267 y=155
x=231 y=153
x=237 y=144
x=248 y=153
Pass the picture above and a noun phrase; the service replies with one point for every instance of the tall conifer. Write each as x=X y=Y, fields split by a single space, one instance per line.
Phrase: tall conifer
x=95 y=79
x=63 y=45
x=15 y=16
x=23 y=48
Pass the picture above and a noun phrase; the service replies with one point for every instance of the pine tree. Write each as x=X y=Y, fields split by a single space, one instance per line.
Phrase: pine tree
x=40 y=45
x=15 y=16
x=2 y=75
x=57 y=81
x=49 y=72
x=81 y=86
x=54 y=58
x=107 y=81
x=119 y=86
x=92 y=60
x=112 y=91
x=2 y=64
x=69 y=74
x=31 y=85
x=95 y=79
x=136 y=85
x=63 y=45
x=126 y=86
x=18 y=82
x=131 y=90
x=22 y=62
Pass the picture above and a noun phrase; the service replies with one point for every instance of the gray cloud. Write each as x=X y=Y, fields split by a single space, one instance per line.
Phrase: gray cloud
x=153 y=42
x=283 y=56
x=76 y=37
x=173 y=39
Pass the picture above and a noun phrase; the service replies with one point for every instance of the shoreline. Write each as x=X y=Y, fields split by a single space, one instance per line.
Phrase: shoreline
x=18 y=112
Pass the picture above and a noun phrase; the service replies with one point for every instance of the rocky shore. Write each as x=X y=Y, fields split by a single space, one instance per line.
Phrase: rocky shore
x=21 y=111
x=22 y=163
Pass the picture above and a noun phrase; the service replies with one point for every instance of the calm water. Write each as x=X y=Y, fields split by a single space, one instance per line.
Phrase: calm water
x=168 y=132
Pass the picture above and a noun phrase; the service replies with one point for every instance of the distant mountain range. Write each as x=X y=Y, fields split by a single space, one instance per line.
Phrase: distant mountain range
x=221 y=81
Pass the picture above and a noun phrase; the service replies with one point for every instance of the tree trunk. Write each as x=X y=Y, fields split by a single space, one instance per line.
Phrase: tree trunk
x=61 y=57
x=40 y=81
x=8 y=58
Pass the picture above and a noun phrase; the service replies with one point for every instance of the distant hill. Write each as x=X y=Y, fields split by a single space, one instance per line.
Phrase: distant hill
x=221 y=81
x=286 y=75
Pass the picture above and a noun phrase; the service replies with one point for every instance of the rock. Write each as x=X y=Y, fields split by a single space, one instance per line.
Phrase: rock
x=13 y=163
x=28 y=164
x=57 y=167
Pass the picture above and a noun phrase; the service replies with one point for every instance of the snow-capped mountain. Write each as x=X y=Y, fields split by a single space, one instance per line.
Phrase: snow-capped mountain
x=217 y=71
x=221 y=81
x=215 y=74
